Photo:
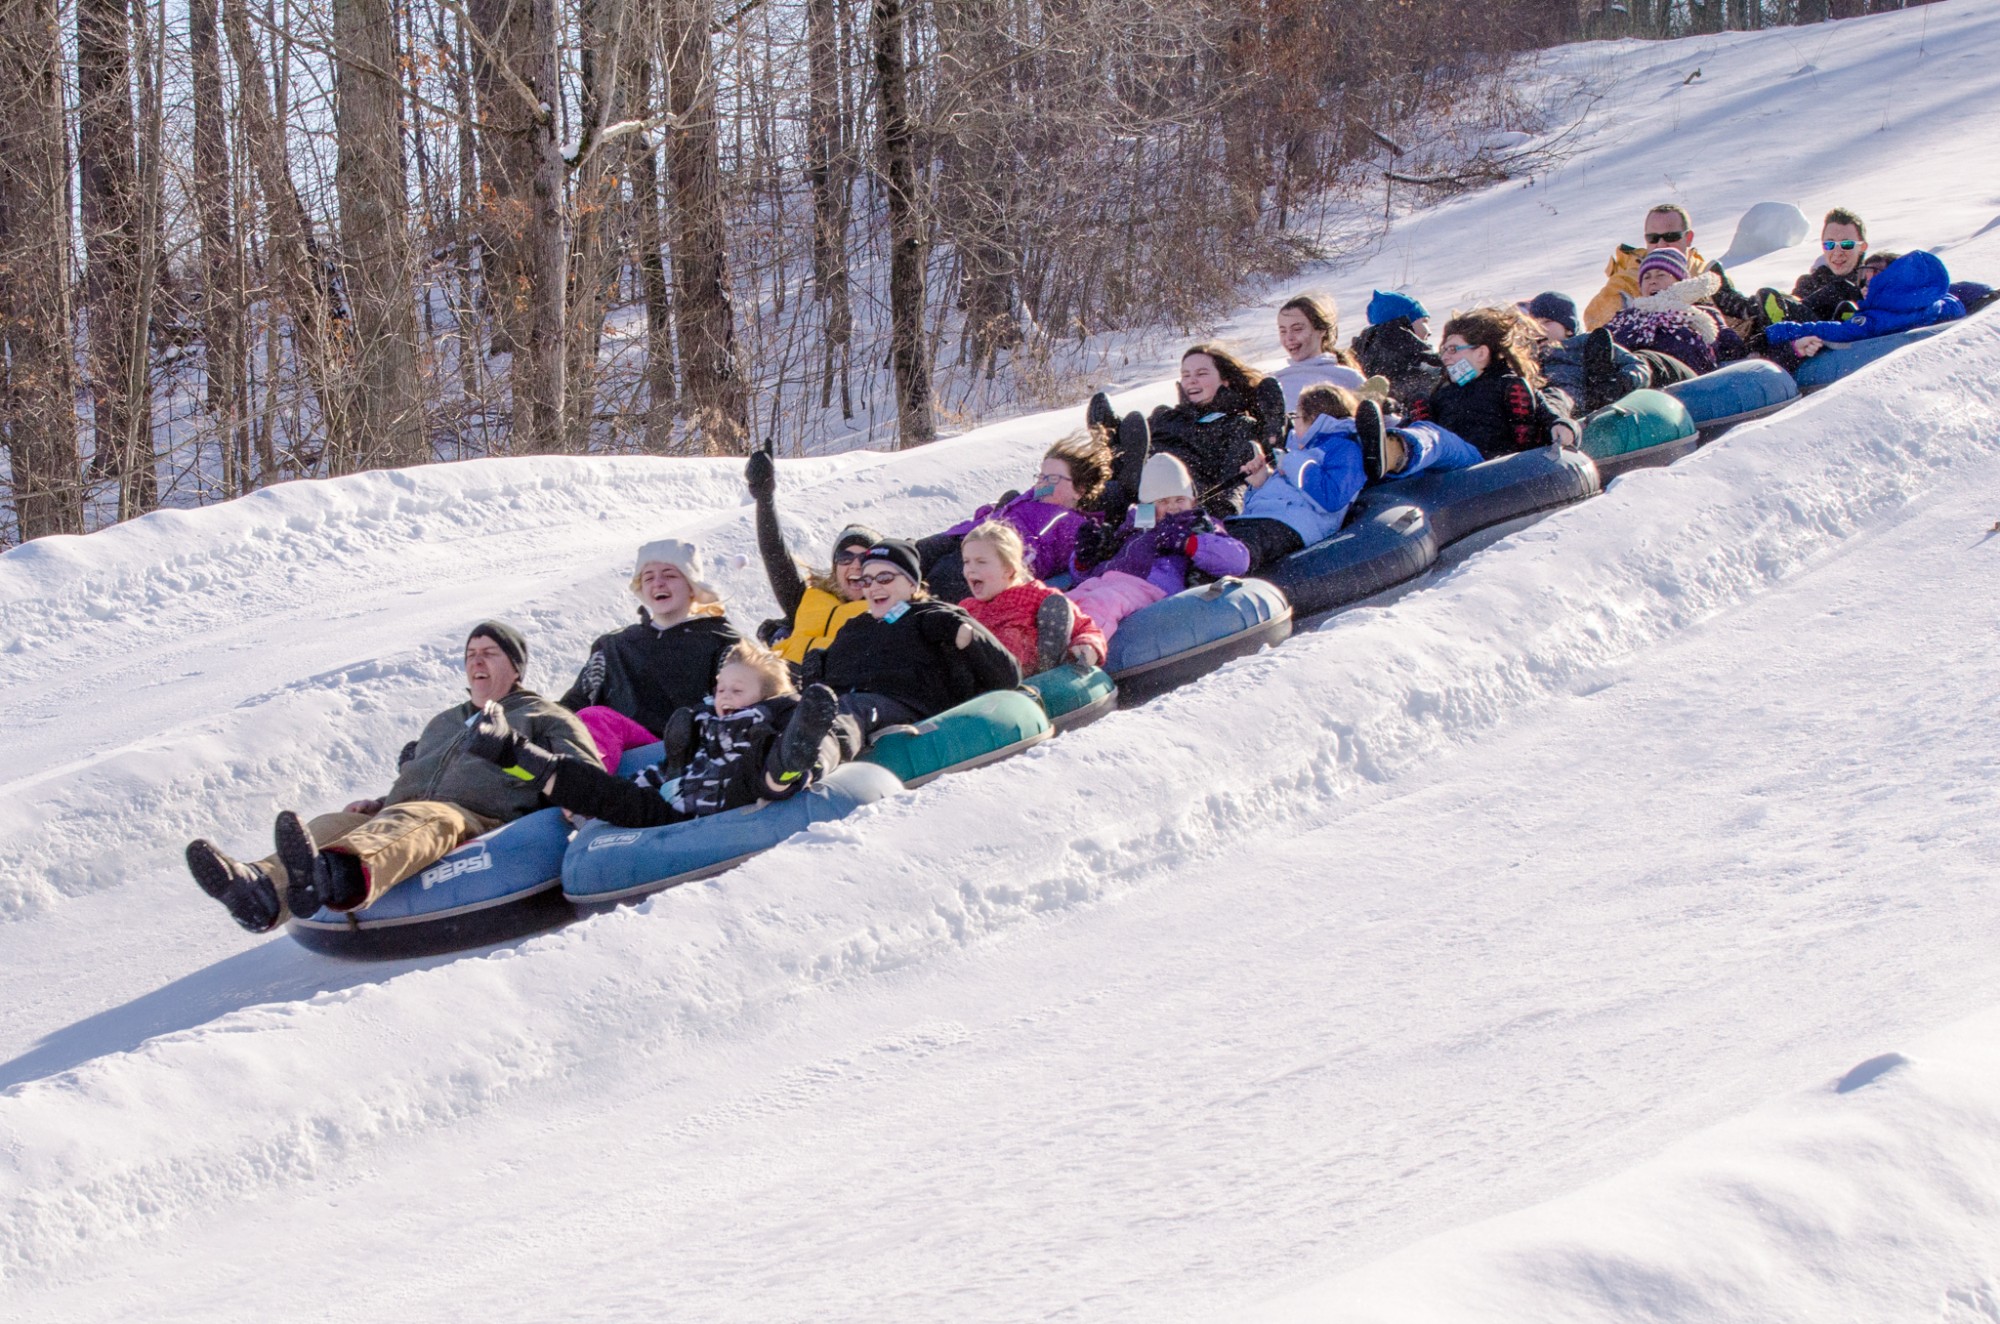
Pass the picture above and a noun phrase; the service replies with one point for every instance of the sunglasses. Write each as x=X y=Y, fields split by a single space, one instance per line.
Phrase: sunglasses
x=883 y=580
x=1847 y=245
x=1666 y=237
x=850 y=557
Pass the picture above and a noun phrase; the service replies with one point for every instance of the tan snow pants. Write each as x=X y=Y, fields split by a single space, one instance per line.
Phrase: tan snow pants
x=398 y=843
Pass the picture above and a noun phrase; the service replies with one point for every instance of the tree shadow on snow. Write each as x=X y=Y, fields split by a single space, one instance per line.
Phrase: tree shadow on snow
x=276 y=971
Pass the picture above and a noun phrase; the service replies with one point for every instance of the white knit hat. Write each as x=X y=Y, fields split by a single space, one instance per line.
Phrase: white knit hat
x=683 y=557
x=1164 y=476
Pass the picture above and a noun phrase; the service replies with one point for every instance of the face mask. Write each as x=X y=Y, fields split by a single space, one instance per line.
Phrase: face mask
x=1460 y=371
x=1044 y=488
x=895 y=613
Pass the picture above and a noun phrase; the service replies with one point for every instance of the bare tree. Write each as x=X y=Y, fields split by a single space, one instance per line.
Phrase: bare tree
x=909 y=351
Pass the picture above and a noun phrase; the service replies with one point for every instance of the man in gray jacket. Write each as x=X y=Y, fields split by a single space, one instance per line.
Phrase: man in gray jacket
x=443 y=798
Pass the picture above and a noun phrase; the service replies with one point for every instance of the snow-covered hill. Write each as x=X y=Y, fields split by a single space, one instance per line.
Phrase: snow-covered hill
x=1491 y=954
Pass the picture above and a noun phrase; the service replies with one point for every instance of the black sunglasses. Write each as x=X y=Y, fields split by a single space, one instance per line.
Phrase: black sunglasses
x=1666 y=237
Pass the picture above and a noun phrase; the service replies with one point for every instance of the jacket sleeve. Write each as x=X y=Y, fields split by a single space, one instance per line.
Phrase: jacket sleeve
x=1334 y=476
x=992 y=666
x=585 y=788
x=786 y=584
x=1617 y=284
x=559 y=732
x=1526 y=412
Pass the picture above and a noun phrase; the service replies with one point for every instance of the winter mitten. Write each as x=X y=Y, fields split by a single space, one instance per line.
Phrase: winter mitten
x=1100 y=414
x=799 y=747
x=678 y=739
x=1094 y=541
x=1055 y=621
x=760 y=473
x=1009 y=495
x=409 y=752
x=771 y=632
x=245 y=890
x=495 y=741
x=313 y=877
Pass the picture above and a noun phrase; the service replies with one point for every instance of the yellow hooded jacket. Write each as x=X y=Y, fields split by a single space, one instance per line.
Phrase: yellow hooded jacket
x=816 y=622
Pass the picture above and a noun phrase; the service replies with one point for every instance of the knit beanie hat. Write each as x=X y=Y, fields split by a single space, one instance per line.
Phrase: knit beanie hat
x=900 y=553
x=1665 y=259
x=1553 y=306
x=1387 y=306
x=1164 y=476
x=683 y=557
x=855 y=535
x=506 y=638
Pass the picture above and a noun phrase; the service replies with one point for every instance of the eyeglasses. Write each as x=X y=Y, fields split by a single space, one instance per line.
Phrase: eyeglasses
x=1455 y=348
x=1053 y=478
x=1847 y=245
x=1666 y=237
x=883 y=580
x=850 y=557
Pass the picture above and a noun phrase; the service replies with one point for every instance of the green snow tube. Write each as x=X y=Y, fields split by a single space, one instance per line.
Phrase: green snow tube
x=1642 y=429
x=1074 y=695
x=977 y=732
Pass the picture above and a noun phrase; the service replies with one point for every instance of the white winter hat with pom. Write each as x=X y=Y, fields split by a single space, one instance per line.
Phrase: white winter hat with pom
x=1164 y=476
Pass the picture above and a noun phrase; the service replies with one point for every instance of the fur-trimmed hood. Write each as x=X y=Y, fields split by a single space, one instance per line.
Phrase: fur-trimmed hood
x=1683 y=298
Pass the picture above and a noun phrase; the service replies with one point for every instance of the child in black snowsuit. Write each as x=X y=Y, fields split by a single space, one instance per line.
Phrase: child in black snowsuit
x=755 y=739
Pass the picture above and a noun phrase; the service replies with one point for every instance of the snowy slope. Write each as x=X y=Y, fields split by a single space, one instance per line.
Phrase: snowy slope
x=1297 y=987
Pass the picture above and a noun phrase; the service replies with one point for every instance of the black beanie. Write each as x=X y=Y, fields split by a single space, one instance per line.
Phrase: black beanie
x=507 y=638
x=855 y=535
x=900 y=553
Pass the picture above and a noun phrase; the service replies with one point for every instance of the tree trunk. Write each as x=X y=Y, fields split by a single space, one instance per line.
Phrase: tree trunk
x=378 y=269
x=977 y=86
x=711 y=377
x=220 y=293
x=909 y=352
x=38 y=403
x=827 y=171
x=651 y=240
x=601 y=101
x=109 y=206
x=298 y=276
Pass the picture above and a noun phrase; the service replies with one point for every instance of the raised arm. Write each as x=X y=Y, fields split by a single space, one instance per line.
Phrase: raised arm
x=787 y=585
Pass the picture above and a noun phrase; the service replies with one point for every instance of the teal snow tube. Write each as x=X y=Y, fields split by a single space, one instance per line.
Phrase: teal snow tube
x=1074 y=695
x=979 y=731
x=1640 y=430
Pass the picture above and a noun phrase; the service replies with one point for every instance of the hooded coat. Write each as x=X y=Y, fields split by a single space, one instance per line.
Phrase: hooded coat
x=440 y=769
x=914 y=659
x=1497 y=412
x=646 y=672
x=1910 y=292
x=1048 y=532
x=1673 y=322
x=1214 y=440
x=1318 y=477
x=1161 y=555
x=1393 y=350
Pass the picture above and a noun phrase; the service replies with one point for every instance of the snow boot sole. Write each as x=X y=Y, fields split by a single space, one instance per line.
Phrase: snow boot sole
x=246 y=891
x=799 y=748
x=1055 y=619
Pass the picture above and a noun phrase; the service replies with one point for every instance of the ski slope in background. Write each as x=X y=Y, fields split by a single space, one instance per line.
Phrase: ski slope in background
x=1489 y=954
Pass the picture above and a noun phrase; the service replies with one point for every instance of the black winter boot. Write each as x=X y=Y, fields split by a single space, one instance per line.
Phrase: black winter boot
x=1368 y=426
x=316 y=878
x=1133 y=444
x=1100 y=414
x=801 y=748
x=1054 y=620
x=244 y=889
x=1600 y=371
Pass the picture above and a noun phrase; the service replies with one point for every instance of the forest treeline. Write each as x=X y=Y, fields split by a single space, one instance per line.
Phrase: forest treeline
x=249 y=240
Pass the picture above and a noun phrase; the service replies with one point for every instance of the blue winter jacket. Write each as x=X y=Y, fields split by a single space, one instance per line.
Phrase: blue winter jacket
x=1912 y=291
x=1317 y=479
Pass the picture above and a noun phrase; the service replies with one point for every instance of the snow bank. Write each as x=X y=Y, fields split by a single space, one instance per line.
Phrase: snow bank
x=1875 y=1196
x=269 y=1096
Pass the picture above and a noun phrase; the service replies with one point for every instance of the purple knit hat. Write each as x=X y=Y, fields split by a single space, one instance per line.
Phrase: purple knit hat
x=1665 y=259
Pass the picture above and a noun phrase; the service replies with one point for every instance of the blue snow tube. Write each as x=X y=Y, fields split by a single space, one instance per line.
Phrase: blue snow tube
x=1381 y=549
x=1074 y=695
x=1461 y=502
x=606 y=865
x=1836 y=361
x=503 y=885
x=1192 y=633
x=1735 y=394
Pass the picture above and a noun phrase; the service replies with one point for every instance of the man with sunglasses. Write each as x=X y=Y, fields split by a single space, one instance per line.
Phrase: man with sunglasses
x=1834 y=280
x=1667 y=226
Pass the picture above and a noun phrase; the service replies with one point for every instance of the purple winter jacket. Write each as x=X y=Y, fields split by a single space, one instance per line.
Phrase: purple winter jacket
x=1049 y=531
x=1159 y=554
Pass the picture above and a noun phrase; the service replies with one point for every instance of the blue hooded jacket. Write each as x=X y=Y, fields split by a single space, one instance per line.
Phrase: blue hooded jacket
x=1912 y=291
x=1317 y=478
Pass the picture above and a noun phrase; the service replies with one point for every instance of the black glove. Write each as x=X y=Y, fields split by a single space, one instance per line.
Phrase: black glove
x=495 y=741
x=773 y=631
x=409 y=752
x=1005 y=497
x=1094 y=542
x=678 y=739
x=760 y=474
